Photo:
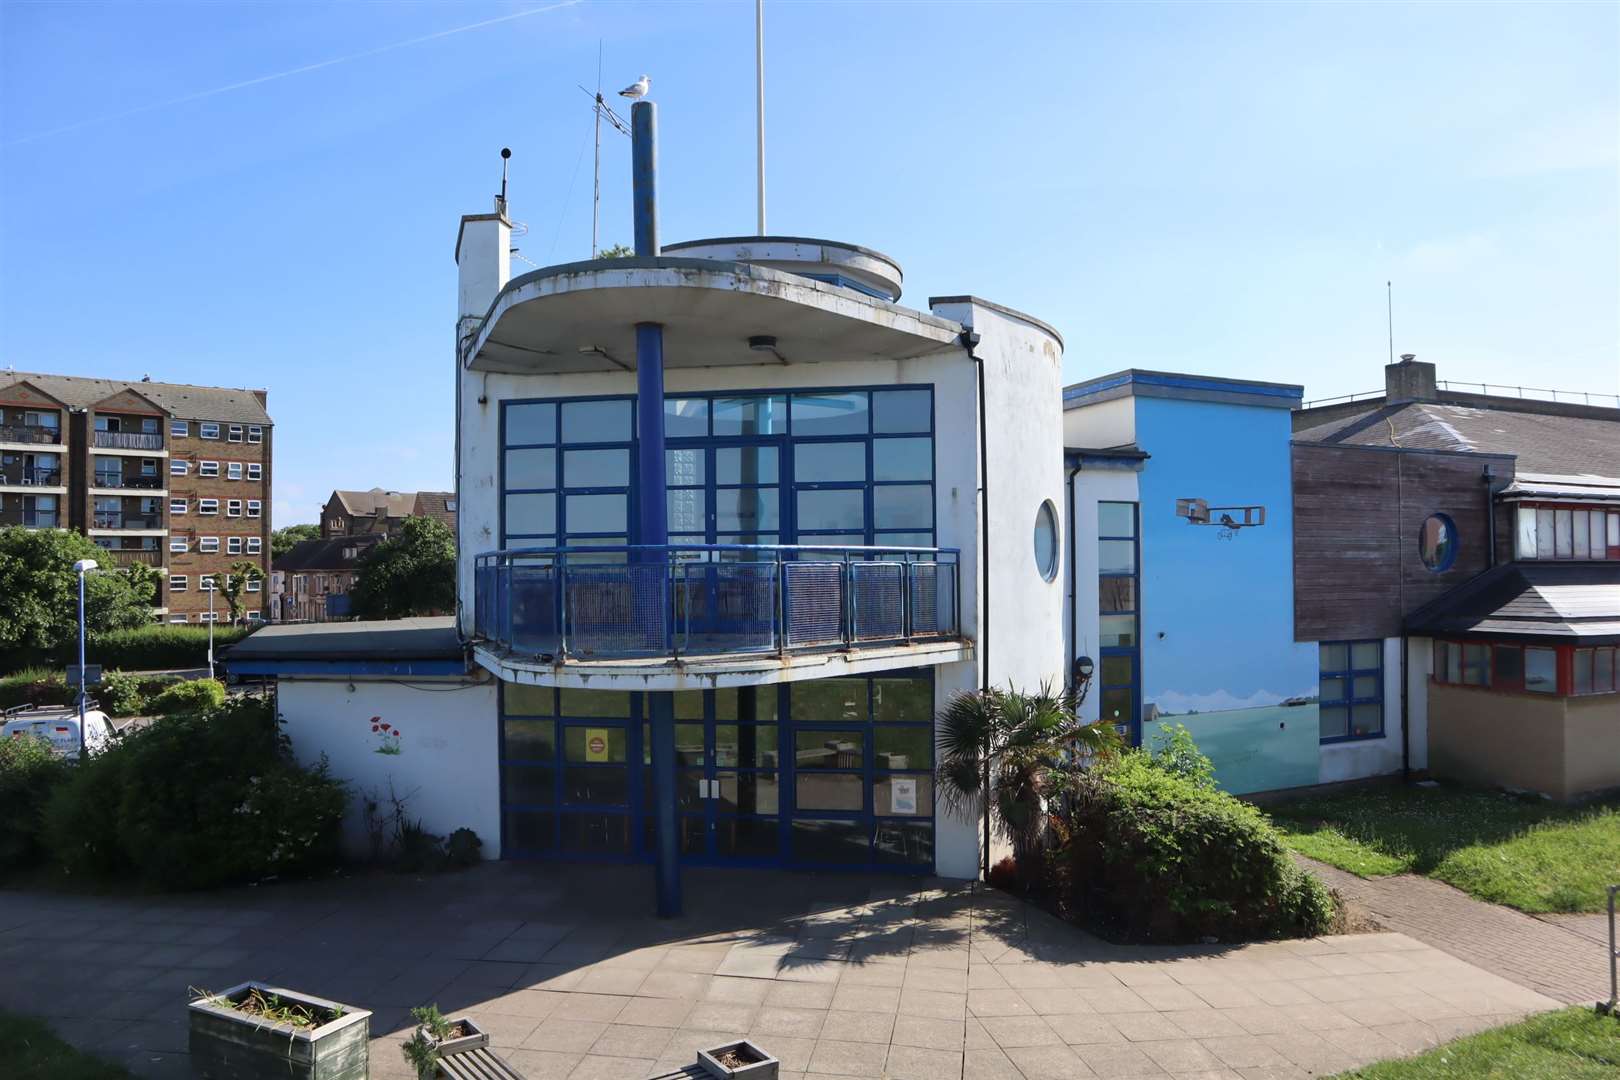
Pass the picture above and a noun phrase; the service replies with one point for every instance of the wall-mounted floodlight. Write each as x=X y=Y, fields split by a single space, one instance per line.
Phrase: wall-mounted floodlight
x=1083 y=668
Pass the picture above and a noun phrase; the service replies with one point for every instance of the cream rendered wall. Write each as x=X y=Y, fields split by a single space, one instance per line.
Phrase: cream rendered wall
x=1102 y=425
x=1091 y=486
x=448 y=764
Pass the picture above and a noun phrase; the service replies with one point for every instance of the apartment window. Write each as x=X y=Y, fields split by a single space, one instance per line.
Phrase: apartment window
x=1568 y=532
x=255 y=433
x=252 y=584
x=207 y=468
x=1351 y=698
x=179 y=429
x=207 y=430
x=177 y=507
x=178 y=467
x=177 y=583
x=233 y=545
x=320 y=583
x=207 y=616
x=177 y=618
x=233 y=508
x=208 y=544
x=179 y=543
x=254 y=507
x=233 y=470
x=254 y=616
x=206 y=583
x=235 y=433
x=149 y=466
x=207 y=506
x=253 y=543
x=255 y=470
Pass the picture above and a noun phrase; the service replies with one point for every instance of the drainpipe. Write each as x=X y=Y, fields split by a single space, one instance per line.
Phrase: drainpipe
x=1490 y=517
x=653 y=523
x=1074 y=589
x=969 y=340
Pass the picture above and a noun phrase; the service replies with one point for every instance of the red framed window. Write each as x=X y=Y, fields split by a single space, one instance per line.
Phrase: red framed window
x=1512 y=667
x=1567 y=531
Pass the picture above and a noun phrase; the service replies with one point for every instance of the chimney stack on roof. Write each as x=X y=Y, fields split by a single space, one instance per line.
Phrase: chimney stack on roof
x=1409 y=380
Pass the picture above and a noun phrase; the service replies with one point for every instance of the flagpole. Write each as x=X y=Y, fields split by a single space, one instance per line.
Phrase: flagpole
x=759 y=81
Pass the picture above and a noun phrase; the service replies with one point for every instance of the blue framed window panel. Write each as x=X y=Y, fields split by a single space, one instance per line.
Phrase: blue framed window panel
x=1350 y=701
x=1119 y=607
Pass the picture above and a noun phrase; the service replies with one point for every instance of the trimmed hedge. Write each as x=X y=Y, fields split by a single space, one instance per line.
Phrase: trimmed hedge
x=29 y=771
x=1156 y=856
x=198 y=695
x=35 y=686
x=195 y=801
x=144 y=648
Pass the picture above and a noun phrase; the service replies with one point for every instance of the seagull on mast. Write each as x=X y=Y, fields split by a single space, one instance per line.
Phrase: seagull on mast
x=637 y=89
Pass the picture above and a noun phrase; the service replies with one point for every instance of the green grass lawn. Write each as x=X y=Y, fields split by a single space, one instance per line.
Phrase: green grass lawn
x=29 y=1051
x=1571 y=1044
x=1527 y=853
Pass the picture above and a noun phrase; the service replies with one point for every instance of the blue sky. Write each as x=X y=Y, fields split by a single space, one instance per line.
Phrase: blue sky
x=1204 y=188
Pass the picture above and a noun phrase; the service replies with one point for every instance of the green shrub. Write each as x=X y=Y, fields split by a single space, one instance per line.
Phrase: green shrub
x=198 y=800
x=35 y=686
x=29 y=771
x=462 y=847
x=144 y=648
x=195 y=696
x=1175 y=752
x=1155 y=856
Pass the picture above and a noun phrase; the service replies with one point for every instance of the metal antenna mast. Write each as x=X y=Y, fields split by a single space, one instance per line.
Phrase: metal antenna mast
x=600 y=107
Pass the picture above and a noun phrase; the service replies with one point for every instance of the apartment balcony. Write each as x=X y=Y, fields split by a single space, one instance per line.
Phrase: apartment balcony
x=126 y=522
x=701 y=616
x=132 y=556
x=43 y=519
x=33 y=478
x=118 y=481
x=126 y=440
x=30 y=435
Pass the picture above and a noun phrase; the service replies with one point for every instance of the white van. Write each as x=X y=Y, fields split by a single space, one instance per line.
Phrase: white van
x=60 y=728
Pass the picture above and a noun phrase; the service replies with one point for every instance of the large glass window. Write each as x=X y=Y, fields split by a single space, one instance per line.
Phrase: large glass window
x=1552 y=532
x=1119 y=682
x=1351 y=692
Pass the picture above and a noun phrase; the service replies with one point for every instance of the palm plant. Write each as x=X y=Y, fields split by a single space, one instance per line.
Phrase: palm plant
x=998 y=750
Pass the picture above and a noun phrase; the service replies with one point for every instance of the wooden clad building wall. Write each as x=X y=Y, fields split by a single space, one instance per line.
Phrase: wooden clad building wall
x=1358 y=512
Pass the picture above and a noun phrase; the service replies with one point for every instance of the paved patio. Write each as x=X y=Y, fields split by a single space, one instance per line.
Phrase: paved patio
x=836 y=975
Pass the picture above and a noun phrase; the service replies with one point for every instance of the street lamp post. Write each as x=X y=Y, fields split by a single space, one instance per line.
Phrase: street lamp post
x=82 y=567
x=213 y=584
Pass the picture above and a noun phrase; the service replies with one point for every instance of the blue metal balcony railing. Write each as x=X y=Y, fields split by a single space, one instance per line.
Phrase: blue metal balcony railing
x=631 y=601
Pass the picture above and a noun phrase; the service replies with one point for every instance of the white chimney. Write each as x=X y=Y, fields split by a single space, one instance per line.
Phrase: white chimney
x=484 y=259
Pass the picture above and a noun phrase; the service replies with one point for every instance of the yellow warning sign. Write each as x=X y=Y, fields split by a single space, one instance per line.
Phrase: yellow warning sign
x=596 y=744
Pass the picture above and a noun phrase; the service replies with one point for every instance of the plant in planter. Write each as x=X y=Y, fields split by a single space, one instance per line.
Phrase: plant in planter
x=740 y=1060
x=257 y=1030
x=436 y=1037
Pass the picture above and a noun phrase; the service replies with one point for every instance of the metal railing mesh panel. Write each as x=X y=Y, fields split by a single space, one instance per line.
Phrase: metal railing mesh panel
x=812 y=603
x=529 y=608
x=877 y=600
x=618 y=610
x=727 y=607
x=933 y=599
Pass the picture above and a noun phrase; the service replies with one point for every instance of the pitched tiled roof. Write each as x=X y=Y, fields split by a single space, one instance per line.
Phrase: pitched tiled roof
x=398 y=504
x=179 y=399
x=1544 y=442
x=1570 y=601
x=325 y=554
x=436 y=504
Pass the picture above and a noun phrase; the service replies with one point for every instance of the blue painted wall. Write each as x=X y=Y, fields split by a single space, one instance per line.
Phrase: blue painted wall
x=1217 y=614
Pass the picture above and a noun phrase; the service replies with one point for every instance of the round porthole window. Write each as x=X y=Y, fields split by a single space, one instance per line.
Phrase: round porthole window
x=1046 y=540
x=1437 y=543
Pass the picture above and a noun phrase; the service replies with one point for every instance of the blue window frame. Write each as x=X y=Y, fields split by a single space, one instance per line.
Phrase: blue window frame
x=824 y=466
x=833 y=774
x=1119 y=605
x=1350 y=699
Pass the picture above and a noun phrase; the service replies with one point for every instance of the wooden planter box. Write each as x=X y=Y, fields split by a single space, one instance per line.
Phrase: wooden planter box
x=761 y=1067
x=231 y=1045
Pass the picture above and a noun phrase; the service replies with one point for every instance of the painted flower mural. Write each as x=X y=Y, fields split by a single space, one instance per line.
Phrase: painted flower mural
x=388 y=736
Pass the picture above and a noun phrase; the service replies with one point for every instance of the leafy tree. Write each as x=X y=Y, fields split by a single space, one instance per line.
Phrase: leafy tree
x=998 y=750
x=231 y=587
x=39 y=605
x=617 y=251
x=282 y=540
x=412 y=573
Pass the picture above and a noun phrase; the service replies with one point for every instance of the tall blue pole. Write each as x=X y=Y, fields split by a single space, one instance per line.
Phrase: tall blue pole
x=82 y=679
x=653 y=514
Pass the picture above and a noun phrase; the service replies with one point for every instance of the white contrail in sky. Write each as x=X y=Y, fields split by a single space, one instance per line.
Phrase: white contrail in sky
x=244 y=84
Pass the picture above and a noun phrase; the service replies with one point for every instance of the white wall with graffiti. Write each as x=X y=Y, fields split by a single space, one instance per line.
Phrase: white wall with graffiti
x=430 y=742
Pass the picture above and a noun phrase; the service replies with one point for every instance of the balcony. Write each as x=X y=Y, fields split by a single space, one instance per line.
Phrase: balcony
x=134 y=483
x=33 y=478
x=39 y=519
x=132 y=556
x=105 y=520
x=681 y=616
x=126 y=440
x=32 y=434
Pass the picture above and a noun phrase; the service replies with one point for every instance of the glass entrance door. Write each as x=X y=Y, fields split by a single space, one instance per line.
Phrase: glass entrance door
x=728 y=784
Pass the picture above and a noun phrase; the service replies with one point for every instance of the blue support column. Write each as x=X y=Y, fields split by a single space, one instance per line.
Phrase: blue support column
x=652 y=510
